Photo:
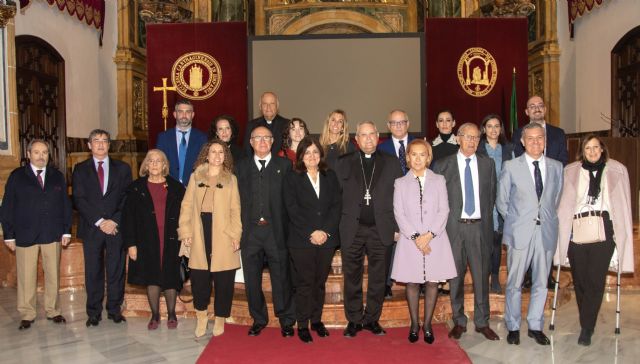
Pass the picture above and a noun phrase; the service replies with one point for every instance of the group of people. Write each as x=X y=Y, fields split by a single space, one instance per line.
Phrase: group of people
x=420 y=213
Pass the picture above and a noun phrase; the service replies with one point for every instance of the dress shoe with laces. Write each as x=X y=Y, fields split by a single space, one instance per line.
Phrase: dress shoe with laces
x=488 y=333
x=116 y=317
x=375 y=328
x=319 y=328
x=585 y=337
x=93 y=321
x=287 y=331
x=539 y=337
x=514 y=337
x=25 y=324
x=59 y=319
x=256 y=329
x=305 y=335
x=352 y=329
x=429 y=338
x=457 y=331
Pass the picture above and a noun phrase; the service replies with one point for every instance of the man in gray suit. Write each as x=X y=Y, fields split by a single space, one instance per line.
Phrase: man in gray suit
x=528 y=197
x=471 y=188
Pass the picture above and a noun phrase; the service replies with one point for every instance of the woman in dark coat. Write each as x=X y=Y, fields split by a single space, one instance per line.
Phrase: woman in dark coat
x=225 y=128
x=149 y=230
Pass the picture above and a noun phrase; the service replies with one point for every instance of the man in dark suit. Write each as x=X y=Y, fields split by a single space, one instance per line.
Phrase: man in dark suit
x=270 y=119
x=264 y=216
x=367 y=228
x=556 y=146
x=99 y=186
x=36 y=217
x=398 y=124
x=471 y=189
x=182 y=144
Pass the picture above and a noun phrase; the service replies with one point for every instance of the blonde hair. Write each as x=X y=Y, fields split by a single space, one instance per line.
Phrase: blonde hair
x=144 y=166
x=343 y=139
x=419 y=141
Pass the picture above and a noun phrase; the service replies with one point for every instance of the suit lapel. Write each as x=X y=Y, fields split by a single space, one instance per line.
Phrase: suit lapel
x=378 y=163
x=112 y=179
x=356 y=170
x=94 y=174
x=526 y=174
x=173 y=144
x=32 y=176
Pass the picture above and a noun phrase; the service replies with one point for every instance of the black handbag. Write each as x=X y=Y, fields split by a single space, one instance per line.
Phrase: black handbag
x=185 y=271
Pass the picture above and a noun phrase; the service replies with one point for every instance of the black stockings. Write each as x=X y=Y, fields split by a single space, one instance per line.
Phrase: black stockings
x=153 y=295
x=413 y=298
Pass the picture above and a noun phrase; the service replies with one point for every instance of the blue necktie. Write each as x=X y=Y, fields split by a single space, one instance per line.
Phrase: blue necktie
x=537 y=176
x=469 y=198
x=182 y=154
x=402 y=155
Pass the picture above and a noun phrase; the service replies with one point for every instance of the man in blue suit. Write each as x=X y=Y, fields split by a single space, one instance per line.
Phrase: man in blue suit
x=182 y=144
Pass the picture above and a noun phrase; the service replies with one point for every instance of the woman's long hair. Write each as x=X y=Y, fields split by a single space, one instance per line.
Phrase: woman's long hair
x=342 y=141
x=502 y=138
x=227 y=165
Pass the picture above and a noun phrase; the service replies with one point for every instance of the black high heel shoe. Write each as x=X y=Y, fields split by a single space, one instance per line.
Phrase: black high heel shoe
x=428 y=336
x=413 y=336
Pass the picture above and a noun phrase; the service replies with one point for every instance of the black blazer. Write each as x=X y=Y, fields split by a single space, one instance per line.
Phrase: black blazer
x=28 y=212
x=140 y=229
x=308 y=213
x=277 y=169
x=89 y=201
x=349 y=172
x=279 y=123
x=556 y=144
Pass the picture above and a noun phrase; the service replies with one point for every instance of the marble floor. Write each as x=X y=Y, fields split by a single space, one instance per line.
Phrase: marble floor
x=131 y=342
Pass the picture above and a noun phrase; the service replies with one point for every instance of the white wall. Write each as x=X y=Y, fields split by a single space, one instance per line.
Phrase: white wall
x=585 y=62
x=90 y=73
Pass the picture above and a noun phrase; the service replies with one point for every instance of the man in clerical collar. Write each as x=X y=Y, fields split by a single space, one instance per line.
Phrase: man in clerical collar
x=270 y=119
x=260 y=180
x=367 y=228
x=36 y=219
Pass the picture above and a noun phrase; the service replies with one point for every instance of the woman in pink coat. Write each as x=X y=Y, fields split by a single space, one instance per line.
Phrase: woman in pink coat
x=423 y=254
x=603 y=184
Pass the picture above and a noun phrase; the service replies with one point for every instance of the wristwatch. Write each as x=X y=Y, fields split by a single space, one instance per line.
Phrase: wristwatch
x=414 y=236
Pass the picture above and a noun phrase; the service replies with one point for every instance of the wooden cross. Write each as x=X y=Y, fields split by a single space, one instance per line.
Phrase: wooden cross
x=165 y=106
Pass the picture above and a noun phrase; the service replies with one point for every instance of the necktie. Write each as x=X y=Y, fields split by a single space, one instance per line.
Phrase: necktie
x=469 y=198
x=402 y=155
x=182 y=153
x=101 y=176
x=40 y=181
x=262 y=164
x=537 y=176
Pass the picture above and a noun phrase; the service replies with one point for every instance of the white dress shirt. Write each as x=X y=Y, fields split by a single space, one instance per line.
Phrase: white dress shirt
x=256 y=160
x=315 y=185
x=396 y=144
x=473 y=164
x=36 y=169
x=542 y=165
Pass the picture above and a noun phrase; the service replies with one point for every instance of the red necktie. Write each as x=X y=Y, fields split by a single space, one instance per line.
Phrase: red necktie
x=101 y=176
x=40 y=181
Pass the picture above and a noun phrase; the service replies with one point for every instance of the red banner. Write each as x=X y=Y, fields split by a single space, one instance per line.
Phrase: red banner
x=578 y=8
x=469 y=68
x=205 y=63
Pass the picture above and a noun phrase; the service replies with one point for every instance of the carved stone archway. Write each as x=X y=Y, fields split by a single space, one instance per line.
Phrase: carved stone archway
x=338 y=18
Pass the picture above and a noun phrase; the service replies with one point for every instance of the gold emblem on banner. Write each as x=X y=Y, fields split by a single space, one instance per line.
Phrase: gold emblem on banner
x=477 y=71
x=196 y=75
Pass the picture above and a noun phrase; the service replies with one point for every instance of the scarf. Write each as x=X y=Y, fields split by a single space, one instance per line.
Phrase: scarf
x=594 y=180
x=445 y=137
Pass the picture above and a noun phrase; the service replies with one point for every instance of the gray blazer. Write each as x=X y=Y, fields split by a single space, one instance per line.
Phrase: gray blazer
x=518 y=204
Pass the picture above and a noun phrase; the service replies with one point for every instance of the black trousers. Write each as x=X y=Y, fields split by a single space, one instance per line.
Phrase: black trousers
x=366 y=243
x=310 y=269
x=261 y=243
x=104 y=257
x=589 y=266
x=201 y=279
x=496 y=253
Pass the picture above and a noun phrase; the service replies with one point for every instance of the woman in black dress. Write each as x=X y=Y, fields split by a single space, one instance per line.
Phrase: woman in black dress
x=225 y=128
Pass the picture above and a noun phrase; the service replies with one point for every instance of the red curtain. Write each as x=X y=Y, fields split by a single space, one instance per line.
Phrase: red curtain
x=170 y=44
x=449 y=42
x=91 y=11
x=578 y=8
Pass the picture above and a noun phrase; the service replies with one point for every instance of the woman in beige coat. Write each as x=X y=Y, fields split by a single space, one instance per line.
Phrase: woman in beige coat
x=210 y=230
x=597 y=183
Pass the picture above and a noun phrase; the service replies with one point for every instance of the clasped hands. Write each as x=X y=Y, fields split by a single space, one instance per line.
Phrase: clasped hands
x=318 y=237
x=109 y=227
x=422 y=242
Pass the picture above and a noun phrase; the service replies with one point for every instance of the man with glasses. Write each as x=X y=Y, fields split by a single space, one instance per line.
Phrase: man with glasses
x=471 y=189
x=270 y=119
x=367 y=228
x=260 y=180
x=556 y=145
x=182 y=144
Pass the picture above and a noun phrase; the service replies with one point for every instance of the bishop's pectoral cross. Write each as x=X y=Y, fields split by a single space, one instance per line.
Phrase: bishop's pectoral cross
x=367 y=196
x=165 y=106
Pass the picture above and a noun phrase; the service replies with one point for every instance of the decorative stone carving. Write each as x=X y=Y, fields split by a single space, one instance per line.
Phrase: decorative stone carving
x=278 y=22
x=139 y=105
x=7 y=12
x=505 y=9
x=393 y=20
x=165 y=11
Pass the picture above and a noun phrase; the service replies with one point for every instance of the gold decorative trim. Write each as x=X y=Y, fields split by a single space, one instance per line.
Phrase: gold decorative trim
x=7 y=12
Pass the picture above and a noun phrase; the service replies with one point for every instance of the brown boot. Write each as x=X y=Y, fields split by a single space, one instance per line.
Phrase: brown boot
x=218 y=326
x=202 y=318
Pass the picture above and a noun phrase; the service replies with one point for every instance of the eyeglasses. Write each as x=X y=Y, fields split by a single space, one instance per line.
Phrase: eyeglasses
x=398 y=123
x=264 y=138
x=537 y=106
x=470 y=138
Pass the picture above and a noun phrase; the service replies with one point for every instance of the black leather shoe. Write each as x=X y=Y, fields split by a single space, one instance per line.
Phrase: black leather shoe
x=256 y=329
x=539 y=337
x=319 y=328
x=442 y=291
x=93 y=321
x=585 y=337
x=116 y=317
x=352 y=329
x=513 y=337
x=25 y=324
x=287 y=331
x=375 y=328
x=429 y=338
x=57 y=319
x=388 y=293
x=305 y=335
x=413 y=336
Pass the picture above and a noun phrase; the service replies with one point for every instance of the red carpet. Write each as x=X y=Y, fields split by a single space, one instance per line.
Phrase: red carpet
x=270 y=347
